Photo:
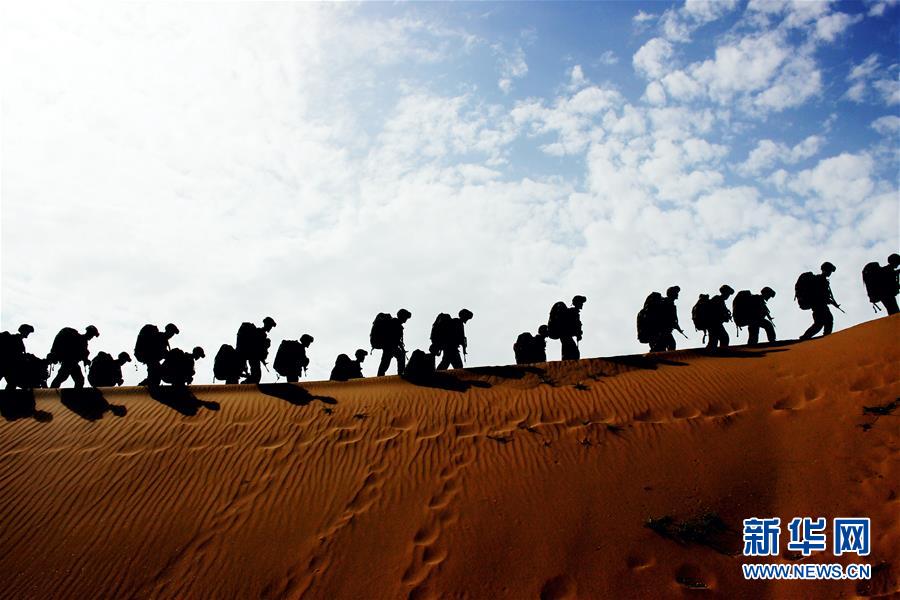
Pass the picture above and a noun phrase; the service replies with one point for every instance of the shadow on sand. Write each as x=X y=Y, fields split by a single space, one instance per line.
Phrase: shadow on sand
x=293 y=393
x=181 y=399
x=506 y=372
x=443 y=380
x=20 y=404
x=89 y=403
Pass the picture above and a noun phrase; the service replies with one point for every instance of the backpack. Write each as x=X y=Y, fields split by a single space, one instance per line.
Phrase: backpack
x=68 y=346
x=104 y=371
x=420 y=365
x=746 y=308
x=809 y=291
x=147 y=348
x=290 y=358
x=344 y=368
x=649 y=318
x=228 y=364
x=700 y=314
x=441 y=331
x=381 y=335
x=178 y=368
x=252 y=342
x=880 y=282
x=10 y=347
x=29 y=372
x=523 y=348
x=557 y=323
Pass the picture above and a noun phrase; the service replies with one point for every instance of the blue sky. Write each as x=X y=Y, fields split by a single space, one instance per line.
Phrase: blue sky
x=208 y=164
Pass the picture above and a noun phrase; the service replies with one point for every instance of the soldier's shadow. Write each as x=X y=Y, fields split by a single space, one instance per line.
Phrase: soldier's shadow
x=293 y=393
x=20 y=404
x=181 y=399
x=89 y=403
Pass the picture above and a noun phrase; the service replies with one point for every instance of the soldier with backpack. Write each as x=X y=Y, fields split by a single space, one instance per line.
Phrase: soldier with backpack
x=178 y=367
x=291 y=360
x=750 y=311
x=387 y=335
x=669 y=319
x=150 y=349
x=813 y=292
x=718 y=314
x=564 y=325
x=345 y=368
x=447 y=338
x=529 y=348
x=12 y=349
x=650 y=322
x=70 y=349
x=253 y=347
x=882 y=283
x=106 y=371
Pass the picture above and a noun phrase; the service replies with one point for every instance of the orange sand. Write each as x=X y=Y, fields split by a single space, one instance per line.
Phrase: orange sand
x=493 y=483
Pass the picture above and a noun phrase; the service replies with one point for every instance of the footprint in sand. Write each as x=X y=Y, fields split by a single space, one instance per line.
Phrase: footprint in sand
x=561 y=587
x=693 y=577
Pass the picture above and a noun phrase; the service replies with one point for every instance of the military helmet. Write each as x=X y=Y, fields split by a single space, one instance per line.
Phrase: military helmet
x=198 y=352
x=92 y=331
x=828 y=267
x=726 y=290
x=269 y=322
x=25 y=329
x=361 y=354
x=306 y=339
x=543 y=330
x=894 y=259
x=767 y=292
x=403 y=314
x=465 y=314
x=578 y=300
x=674 y=290
x=172 y=328
x=124 y=357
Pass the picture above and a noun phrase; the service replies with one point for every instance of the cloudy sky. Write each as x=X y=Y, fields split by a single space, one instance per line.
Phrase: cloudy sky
x=209 y=164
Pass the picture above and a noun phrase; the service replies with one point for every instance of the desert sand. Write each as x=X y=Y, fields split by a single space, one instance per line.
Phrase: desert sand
x=623 y=477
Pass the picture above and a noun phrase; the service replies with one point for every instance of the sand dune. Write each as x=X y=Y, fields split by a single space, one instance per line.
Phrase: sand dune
x=500 y=482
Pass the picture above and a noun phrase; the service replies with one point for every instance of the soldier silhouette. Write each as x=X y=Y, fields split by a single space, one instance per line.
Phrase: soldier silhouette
x=70 y=349
x=564 y=325
x=178 y=367
x=150 y=349
x=253 y=347
x=12 y=349
x=813 y=292
x=718 y=316
x=450 y=338
x=387 y=335
x=751 y=311
x=669 y=319
x=345 y=368
x=882 y=284
x=529 y=348
x=291 y=360
x=106 y=371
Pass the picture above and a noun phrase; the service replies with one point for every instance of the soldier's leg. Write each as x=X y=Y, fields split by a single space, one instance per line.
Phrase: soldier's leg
x=401 y=361
x=454 y=358
x=827 y=321
x=386 y=356
x=154 y=373
x=255 y=372
x=712 y=339
x=445 y=360
x=569 y=349
x=814 y=328
x=769 y=329
x=724 y=340
x=890 y=305
x=669 y=342
x=292 y=378
x=753 y=334
x=77 y=376
x=61 y=375
x=231 y=381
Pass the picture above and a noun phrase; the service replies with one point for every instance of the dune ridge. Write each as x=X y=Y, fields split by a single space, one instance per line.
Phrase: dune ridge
x=491 y=482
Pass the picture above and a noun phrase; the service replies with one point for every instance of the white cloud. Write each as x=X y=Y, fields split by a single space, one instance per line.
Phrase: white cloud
x=652 y=59
x=839 y=183
x=887 y=125
x=769 y=153
x=608 y=58
x=512 y=66
x=655 y=93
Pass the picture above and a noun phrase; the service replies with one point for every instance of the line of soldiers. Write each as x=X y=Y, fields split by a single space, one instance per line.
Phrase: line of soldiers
x=656 y=322
x=659 y=316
